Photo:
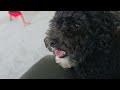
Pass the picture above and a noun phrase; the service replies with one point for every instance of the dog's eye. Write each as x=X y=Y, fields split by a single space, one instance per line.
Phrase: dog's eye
x=77 y=26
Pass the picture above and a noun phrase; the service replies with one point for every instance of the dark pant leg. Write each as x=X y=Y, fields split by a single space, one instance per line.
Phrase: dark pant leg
x=46 y=68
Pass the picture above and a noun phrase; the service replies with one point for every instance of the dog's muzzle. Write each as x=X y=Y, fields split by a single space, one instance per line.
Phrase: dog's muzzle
x=52 y=47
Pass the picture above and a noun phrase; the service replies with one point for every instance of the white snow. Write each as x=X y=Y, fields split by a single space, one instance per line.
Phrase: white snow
x=21 y=47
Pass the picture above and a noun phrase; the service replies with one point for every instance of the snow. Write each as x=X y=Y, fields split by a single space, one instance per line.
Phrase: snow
x=21 y=47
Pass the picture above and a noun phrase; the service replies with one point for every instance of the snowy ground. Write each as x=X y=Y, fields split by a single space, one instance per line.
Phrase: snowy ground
x=21 y=47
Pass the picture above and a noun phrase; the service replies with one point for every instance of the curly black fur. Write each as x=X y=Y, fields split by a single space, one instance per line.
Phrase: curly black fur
x=87 y=37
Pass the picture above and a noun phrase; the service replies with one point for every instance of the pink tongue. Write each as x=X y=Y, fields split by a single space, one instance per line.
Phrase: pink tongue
x=59 y=53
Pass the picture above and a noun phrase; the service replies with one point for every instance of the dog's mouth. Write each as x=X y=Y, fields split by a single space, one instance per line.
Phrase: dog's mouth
x=59 y=53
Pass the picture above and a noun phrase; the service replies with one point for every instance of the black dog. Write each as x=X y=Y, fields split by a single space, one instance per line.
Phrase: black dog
x=88 y=41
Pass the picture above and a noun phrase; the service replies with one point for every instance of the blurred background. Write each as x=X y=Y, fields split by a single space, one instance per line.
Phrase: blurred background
x=21 y=47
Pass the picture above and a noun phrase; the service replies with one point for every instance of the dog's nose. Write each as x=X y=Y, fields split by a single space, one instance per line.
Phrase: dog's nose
x=53 y=43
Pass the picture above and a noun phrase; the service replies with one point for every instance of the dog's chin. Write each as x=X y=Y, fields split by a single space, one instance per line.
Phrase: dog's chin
x=63 y=59
x=65 y=62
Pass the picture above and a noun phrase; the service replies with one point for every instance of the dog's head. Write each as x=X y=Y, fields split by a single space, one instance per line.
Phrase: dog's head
x=78 y=34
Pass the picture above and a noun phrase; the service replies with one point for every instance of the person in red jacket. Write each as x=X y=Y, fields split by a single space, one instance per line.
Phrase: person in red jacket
x=18 y=14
